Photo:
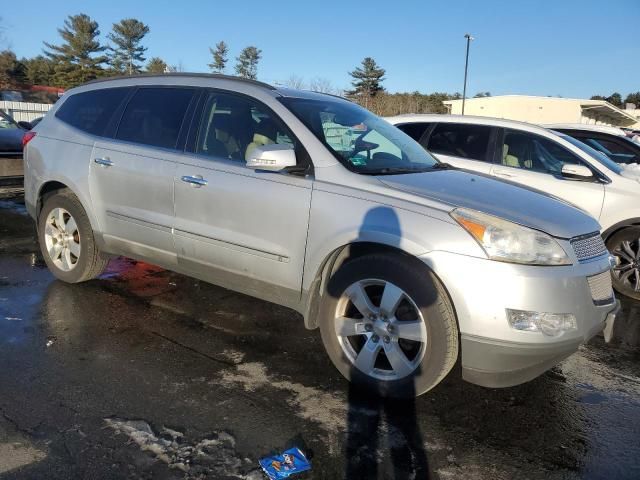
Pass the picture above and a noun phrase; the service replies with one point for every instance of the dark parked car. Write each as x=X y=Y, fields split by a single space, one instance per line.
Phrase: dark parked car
x=11 y=133
x=618 y=148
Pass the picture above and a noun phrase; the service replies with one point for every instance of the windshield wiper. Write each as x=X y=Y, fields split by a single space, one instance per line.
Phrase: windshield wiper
x=442 y=166
x=394 y=170
x=400 y=170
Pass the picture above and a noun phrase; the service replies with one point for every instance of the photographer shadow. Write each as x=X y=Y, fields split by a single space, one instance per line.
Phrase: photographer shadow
x=384 y=439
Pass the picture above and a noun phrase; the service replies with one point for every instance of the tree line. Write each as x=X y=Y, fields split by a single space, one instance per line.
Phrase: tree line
x=616 y=99
x=80 y=56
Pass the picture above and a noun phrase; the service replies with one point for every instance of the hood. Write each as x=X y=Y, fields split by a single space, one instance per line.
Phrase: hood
x=631 y=170
x=524 y=206
x=11 y=139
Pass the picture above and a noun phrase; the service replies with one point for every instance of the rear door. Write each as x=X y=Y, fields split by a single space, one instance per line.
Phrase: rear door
x=536 y=161
x=234 y=226
x=132 y=174
x=465 y=146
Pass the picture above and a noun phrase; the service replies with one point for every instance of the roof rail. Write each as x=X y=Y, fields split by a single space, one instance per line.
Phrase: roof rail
x=218 y=76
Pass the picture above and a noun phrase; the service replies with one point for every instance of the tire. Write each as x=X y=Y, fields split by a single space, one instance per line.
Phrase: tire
x=70 y=252
x=424 y=301
x=625 y=246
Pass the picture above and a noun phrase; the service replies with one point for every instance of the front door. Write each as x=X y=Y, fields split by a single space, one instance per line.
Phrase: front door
x=535 y=161
x=234 y=226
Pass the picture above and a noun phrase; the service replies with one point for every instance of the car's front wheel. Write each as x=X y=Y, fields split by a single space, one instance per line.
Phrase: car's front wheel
x=388 y=325
x=625 y=247
x=66 y=239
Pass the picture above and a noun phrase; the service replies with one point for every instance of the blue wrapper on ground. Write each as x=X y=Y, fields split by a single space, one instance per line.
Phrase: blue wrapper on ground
x=286 y=464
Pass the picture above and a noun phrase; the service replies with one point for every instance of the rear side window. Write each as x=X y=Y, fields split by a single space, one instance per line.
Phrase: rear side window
x=92 y=111
x=464 y=141
x=414 y=130
x=154 y=116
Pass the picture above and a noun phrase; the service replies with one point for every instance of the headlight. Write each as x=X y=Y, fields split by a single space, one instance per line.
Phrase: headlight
x=508 y=242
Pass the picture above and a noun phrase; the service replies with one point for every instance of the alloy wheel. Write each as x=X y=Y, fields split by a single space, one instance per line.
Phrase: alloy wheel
x=627 y=269
x=62 y=239
x=380 y=329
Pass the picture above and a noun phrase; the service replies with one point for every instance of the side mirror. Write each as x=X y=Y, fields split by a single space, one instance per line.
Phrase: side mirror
x=272 y=158
x=25 y=125
x=576 y=172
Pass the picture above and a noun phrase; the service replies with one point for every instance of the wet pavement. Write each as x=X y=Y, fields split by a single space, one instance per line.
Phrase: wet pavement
x=148 y=374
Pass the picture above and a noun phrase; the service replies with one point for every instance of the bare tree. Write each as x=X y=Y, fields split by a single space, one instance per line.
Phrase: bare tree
x=294 y=81
x=323 y=85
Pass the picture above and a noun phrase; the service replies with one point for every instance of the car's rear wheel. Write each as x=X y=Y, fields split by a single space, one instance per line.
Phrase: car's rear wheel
x=66 y=239
x=625 y=247
x=388 y=325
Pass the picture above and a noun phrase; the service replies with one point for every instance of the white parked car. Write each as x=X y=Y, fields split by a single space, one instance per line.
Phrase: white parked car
x=548 y=161
x=311 y=202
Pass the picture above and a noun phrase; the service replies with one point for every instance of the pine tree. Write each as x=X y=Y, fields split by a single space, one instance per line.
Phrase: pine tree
x=633 y=98
x=219 y=57
x=12 y=70
x=78 y=59
x=247 y=66
x=156 y=65
x=39 y=70
x=367 y=79
x=127 y=36
x=615 y=99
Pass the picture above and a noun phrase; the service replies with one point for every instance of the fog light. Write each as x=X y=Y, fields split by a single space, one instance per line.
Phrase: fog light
x=551 y=324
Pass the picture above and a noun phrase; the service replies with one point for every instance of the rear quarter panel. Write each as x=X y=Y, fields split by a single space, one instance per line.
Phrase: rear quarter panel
x=59 y=153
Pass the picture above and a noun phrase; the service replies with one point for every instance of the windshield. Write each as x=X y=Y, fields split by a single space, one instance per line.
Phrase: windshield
x=361 y=141
x=592 y=152
x=6 y=122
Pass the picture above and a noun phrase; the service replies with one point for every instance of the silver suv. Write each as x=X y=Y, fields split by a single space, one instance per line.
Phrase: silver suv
x=311 y=202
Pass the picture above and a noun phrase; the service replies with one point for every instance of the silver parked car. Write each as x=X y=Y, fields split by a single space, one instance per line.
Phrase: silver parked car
x=311 y=202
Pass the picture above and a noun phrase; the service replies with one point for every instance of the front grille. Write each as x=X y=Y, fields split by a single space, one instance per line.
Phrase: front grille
x=588 y=246
x=601 y=289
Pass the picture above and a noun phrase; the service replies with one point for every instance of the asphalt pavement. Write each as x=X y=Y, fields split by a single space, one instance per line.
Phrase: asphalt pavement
x=145 y=373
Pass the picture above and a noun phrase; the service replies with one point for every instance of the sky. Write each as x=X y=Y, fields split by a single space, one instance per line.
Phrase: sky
x=571 y=48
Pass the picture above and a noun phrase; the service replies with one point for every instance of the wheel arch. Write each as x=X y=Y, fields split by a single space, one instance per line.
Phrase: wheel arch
x=631 y=222
x=334 y=260
x=55 y=185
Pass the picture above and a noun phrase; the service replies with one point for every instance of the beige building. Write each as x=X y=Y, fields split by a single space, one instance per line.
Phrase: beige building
x=546 y=110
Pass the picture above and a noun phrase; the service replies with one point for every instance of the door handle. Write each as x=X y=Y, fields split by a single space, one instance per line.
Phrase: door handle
x=195 y=180
x=104 y=161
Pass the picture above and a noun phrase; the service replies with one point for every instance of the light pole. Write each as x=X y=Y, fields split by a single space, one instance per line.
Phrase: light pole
x=466 y=67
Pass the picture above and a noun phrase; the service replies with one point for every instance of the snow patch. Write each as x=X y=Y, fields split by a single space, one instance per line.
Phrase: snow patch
x=214 y=456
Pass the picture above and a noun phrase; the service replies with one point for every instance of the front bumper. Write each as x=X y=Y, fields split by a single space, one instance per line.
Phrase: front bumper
x=493 y=353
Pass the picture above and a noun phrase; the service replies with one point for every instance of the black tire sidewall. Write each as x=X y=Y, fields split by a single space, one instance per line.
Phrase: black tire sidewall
x=420 y=284
x=626 y=234
x=71 y=205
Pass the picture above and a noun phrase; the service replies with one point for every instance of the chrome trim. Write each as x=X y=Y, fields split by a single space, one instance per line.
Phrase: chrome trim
x=588 y=247
x=105 y=161
x=195 y=180
x=138 y=221
x=601 y=288
x=232 y=246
